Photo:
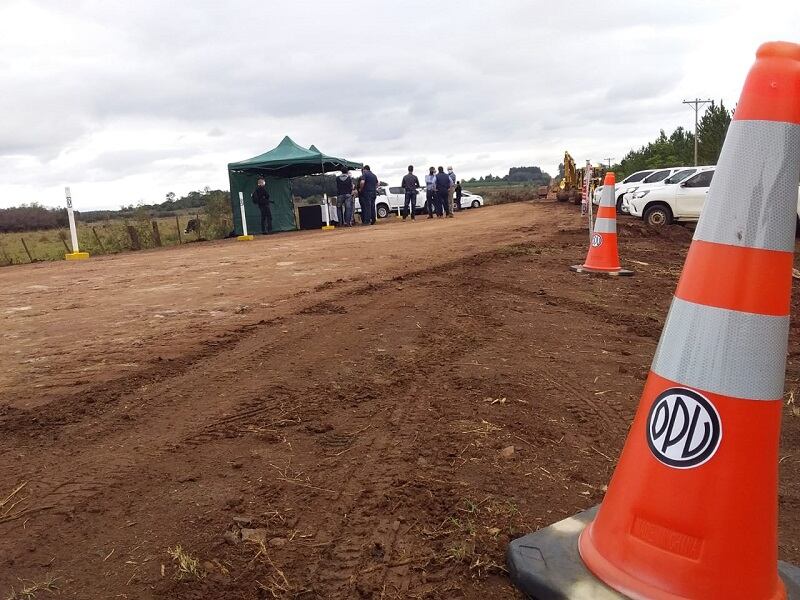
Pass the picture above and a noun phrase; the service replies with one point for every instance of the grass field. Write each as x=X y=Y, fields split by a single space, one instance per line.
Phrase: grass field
x=103 y=237
x=111 y=237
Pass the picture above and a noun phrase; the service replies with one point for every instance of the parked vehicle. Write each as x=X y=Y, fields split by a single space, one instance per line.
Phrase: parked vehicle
x=674 y=179
x=670 y=203
x=390 y=199
x=631 y=185
x=679 y=203
x=470 y=200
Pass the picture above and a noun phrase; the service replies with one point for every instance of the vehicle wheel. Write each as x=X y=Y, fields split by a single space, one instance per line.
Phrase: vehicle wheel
x=619 y=204
x=476 y=204
x=382 y=211
x=658 y=215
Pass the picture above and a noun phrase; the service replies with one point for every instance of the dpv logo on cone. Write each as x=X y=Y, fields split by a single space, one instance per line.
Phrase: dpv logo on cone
x=683 y=428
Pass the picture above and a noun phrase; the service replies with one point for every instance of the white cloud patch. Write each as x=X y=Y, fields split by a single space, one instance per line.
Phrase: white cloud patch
x=127 y=101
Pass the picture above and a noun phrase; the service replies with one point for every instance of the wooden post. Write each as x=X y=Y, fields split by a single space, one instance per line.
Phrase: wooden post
x=134 y=235
x=156 y=234
x=63 y=239
x=28 y=252
x=99 y=241
x=178 y=225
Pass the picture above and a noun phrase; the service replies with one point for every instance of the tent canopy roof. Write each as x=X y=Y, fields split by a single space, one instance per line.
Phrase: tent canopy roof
x=288 y=159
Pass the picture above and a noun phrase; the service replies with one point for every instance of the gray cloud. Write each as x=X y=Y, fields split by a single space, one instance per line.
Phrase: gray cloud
x=485 y=83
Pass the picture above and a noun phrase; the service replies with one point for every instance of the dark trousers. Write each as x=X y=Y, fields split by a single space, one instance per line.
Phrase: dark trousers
x=411 y=197
x=367 y=201
x=266 y=219
x=457 y=205
x=430 y=200
x=441 y=203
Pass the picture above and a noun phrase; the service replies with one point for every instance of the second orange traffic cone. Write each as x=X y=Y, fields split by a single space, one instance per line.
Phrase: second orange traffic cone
x=603 y=255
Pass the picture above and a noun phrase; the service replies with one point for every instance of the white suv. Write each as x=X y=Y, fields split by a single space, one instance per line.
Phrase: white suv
x=669 y=203
x=632 y=182
x=644 y=189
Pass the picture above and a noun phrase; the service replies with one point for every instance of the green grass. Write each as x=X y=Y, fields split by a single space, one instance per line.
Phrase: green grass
x=48 y=245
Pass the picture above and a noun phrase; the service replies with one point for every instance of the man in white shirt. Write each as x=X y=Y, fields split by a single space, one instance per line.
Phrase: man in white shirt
x=430 y=191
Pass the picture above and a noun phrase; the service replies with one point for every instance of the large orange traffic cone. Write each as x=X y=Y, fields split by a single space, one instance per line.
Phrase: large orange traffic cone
x=603 y=255
x=691 y=511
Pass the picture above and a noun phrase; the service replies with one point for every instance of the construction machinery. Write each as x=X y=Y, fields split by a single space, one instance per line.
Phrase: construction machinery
x=571 y=185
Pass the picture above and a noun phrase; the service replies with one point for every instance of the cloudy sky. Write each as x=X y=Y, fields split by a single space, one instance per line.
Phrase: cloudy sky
x=126 y=101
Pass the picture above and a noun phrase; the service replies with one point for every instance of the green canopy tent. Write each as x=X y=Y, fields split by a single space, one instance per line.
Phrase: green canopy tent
x=277 y=167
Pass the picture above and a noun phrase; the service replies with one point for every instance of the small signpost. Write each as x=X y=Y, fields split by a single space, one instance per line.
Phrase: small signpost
x=244 y=237
x=326 y=207
x=76 y=254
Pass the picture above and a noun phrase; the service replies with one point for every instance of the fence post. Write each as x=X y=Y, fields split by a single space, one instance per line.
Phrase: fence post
x=76 y=253
x=28 y=252
x=178 y=226
x=134 y=235
x=156 y=234
x=63 y=237
x=99 y=241
x=8 y=259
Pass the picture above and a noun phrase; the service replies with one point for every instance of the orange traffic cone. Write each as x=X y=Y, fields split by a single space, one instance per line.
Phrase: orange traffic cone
x=603 y=256
x=691 y=511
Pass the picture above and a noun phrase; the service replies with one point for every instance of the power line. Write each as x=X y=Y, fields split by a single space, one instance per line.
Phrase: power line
x=697 y=103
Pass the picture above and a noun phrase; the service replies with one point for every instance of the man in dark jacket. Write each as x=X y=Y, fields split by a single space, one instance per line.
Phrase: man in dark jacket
x=344 y=198
x=458 y=196
x=261 y=199
x=367 y=193
x=410 y=184
x=443 y=185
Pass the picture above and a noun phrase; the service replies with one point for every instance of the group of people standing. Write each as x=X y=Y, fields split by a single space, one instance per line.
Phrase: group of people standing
x=346 y=194
x=440 y=190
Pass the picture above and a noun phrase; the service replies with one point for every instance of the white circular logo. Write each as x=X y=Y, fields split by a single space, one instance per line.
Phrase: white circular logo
x=683 y=428
x=597 y=240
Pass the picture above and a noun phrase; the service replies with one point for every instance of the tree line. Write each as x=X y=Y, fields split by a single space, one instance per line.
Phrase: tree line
x=677 y=148
x=533 y=175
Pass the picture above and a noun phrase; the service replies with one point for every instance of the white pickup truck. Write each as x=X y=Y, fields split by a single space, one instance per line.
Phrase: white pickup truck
x=675 y=203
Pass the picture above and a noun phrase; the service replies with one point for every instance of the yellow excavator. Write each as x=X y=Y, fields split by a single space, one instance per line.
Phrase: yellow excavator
x=573 y=181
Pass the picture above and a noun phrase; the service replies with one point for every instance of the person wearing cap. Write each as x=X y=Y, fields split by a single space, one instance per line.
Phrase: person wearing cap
x=344 y=197
x=260 y=198
x=430 y=191
x=410 y=184
x=452 y=177
x=367 y=193
x=443 y=188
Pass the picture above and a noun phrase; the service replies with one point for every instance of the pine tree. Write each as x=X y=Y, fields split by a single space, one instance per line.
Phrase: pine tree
x=711 y=133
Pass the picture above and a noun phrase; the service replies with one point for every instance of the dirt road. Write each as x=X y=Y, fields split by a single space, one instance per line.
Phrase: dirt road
x=384 y=427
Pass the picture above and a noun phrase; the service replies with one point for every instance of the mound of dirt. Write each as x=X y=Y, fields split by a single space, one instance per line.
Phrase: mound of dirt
x=673 y=233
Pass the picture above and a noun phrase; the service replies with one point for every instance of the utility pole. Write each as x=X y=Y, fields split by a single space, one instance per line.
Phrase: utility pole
x=696 y=103
x=609 y=162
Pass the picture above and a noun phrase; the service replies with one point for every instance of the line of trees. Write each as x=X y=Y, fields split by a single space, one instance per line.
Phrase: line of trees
x=678 y=148
x=533 y=175
x=31 y=216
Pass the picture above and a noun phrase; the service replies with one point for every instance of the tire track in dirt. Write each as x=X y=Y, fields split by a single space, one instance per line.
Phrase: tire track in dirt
x=124 y=450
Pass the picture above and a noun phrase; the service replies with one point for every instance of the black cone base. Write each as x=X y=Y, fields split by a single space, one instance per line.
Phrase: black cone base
x=546 y=565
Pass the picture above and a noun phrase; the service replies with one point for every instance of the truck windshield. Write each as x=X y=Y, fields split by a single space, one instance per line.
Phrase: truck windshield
x=680 y=176
x=636 y=177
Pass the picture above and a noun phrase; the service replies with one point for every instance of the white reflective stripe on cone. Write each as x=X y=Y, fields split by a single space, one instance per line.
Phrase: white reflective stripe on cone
x=723 y=351
x=753 y=197
x=607 y=196
x=603 y=225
